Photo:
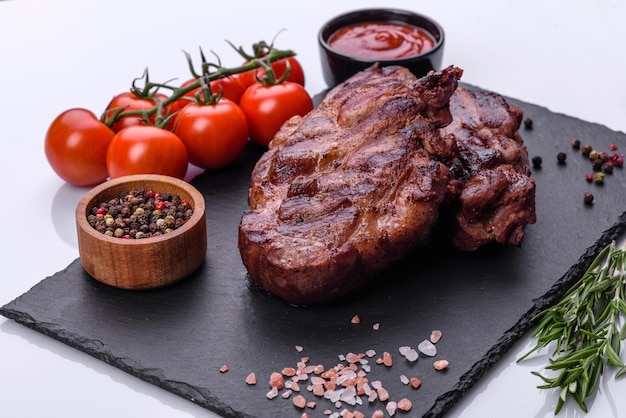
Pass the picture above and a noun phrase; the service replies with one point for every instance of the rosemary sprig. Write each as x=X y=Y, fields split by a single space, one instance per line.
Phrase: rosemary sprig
x=587 y=326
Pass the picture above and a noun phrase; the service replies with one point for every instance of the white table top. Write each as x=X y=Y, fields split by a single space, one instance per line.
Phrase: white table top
x=567 y=56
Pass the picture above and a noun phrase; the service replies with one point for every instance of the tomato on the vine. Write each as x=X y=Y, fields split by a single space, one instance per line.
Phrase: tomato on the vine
x=76 y=147
x=214 y=134
x=129 y=101
x=229 y=87
x=268 y=107
x=296 y=73
x=145 y=149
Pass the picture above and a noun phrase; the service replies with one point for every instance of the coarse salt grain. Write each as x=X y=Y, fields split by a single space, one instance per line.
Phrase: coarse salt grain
x=416 y=382
x=251 y=379
x=404 y=404
x=441 y=364
x=272 y=393
x=411 y=355
x=435 y=336
x=299 y=348
x=299 y=401
x=378 y=414
x=277 y=380
x=356 y=319
x=391 y=408
x=376 y=326
x=383 y=394
x=224 y=369
x=289 y=371
x=286 y=394
x=404 y=379
x=387 y=359
x=370 y=353
x=427 y=348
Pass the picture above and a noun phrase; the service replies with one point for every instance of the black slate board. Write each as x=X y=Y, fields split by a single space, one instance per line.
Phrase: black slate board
x=178 y=337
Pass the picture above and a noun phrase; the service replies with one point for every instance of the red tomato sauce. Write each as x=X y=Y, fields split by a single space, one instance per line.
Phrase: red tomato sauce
x=378 y=40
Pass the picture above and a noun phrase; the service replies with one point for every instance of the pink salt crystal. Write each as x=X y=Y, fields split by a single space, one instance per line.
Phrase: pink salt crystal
x=441 y=364
x=299 y=401
x=435 y=336
x=251 y=379
x=272 y=393
x=405 y=405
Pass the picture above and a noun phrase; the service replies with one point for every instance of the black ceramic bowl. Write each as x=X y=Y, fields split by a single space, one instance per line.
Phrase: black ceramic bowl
x=337 y=66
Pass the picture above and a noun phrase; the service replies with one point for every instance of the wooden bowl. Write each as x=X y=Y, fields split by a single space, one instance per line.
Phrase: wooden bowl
x=148 y=262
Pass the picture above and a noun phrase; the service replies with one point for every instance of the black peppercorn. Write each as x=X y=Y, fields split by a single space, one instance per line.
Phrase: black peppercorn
x=576 y=143
x=588 y=198
x=607 y=167
x=586 y=150
x=561 y=157
x=528 y=123
x=537 y=160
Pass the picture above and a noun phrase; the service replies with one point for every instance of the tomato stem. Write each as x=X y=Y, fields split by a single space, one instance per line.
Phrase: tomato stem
x=150 y=88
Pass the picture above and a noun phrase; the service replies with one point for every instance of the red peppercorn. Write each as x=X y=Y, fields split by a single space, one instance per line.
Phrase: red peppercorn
x=613 y=147
x=160 y=205
x=101 y=211
x=589 y=177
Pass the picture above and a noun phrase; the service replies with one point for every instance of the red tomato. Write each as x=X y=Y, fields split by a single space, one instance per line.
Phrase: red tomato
x=268 y=107
x=146 y=150
x=296 y=74
x=76 y=147
x=130 y=101
x=229 y=87
x=214 y=134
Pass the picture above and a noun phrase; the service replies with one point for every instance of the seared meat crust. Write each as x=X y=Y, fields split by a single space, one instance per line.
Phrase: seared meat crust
x=351 y=187
x=498 y=196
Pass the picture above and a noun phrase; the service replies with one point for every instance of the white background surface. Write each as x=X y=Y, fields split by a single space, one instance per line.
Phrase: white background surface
x=566 y=55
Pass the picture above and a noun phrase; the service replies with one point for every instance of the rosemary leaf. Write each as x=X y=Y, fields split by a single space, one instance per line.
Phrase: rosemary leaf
x=587 y=326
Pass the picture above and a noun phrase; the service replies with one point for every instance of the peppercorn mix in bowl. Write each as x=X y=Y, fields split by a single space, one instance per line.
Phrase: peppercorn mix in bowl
x=142 y=231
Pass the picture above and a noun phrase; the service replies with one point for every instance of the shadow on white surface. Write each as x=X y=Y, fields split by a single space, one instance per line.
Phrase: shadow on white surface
x=81 y=393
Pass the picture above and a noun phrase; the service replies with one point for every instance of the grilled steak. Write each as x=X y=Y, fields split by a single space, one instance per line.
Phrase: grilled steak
x=498 y=197
x=351 y=187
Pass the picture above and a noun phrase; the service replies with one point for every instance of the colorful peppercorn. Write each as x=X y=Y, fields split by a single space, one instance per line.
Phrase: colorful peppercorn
x=588 y=198
x=599 y=177
x=140 y=214
x=561 y=157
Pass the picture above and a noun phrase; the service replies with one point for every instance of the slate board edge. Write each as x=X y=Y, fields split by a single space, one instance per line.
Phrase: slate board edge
x=200 y=396
x=446 y=401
